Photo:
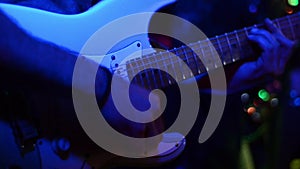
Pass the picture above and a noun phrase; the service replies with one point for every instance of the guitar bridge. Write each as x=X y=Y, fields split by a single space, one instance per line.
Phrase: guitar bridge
x=25 y=133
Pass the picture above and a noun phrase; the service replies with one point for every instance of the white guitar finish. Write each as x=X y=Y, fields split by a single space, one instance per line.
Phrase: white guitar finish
x=72 y=31
x=113 y=61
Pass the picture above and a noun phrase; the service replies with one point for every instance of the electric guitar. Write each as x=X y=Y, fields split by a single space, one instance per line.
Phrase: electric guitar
x=73 y=31
x=50 y=153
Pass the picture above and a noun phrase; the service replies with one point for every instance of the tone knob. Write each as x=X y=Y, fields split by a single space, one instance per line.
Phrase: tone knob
x=61 y=146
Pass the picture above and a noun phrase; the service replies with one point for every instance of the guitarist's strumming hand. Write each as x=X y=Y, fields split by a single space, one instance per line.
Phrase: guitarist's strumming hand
x=276 y=50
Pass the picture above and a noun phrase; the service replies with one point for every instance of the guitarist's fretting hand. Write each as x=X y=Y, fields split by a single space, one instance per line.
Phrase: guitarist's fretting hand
x=276 y=50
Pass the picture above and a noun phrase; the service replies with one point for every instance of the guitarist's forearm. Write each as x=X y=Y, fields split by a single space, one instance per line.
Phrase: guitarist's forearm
x=27 y=55
x=21 y=52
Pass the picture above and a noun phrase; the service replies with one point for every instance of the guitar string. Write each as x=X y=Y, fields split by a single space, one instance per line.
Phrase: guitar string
x=187 y=55
x=209 y=44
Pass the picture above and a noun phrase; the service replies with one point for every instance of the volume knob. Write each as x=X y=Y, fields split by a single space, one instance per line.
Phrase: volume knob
x=61 y=146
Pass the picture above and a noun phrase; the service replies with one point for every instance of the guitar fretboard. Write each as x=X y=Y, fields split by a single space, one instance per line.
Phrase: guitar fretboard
x=202 y=56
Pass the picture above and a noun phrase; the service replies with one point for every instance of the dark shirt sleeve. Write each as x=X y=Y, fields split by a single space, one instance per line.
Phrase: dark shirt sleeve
x=42 y=62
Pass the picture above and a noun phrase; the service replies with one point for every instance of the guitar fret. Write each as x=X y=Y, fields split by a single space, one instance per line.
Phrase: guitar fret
x=155 y=73
x=246 y=47
x=277 y=24
x=188 y=62
x=239 y=43
x=244 y=43
x=148 y=72
x=226 y=55
x=179 y=61
x=166 y=77
x=286 y=28
x=235 y=46
x=295 y=19
x=154 y=78
x=138 y=77
x=170 y=64
x=230 y=46
x=130 y=71
x=214 y=55
x=144 y=74
x=217 y=45
x=237 y=37
x=201 y=56
x=187 y=68
x=159 y=66
x=228 y=43
x=221 y=50
x=291 y=27
x=200 y=66
x=177 y=65
x=194 y=53
x=207 y=58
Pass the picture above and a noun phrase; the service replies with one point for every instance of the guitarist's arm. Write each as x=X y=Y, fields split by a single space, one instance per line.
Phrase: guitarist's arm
x=44 y=63
x=27 y=55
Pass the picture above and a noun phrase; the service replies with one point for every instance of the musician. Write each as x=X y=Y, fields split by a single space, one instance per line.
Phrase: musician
x=57 y=64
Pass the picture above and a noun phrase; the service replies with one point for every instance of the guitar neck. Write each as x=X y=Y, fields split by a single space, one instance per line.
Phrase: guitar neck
x=202 y=56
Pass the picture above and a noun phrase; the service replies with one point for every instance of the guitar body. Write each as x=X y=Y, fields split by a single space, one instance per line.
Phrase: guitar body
x=72 y=32
x=83 y=153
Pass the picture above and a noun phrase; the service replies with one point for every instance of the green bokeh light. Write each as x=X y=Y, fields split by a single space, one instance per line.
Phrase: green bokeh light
x=295 y=164
x=293 y=2
x=264 y=95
